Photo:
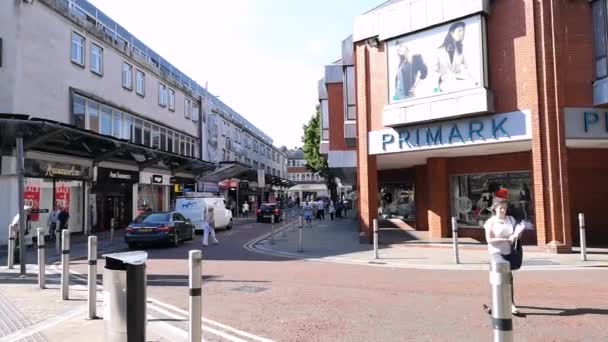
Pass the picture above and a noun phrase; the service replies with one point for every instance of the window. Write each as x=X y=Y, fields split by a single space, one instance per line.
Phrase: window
x=163 y=139
x=188 y=108
x=137 y=131
x=194 y=112
x=170 y=142
x=171 y=99
x=140 y=83
x=147 y=135
x=127 y=76
x=79 y=112
x=96 y=59
x=106 y=120
x=600 y=35
x=255 y=165
x=155 y=137
x=93 y=114
x=117 y=124
x=127 y=129
x=77 y=53
x=182 y=147
x=162 y=95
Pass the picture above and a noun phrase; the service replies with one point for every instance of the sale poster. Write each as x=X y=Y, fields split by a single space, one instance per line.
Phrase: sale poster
x=31 y=196
x=62 y=195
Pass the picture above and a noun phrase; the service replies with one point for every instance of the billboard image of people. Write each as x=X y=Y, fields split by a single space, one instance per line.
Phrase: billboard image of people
x=442 y=60
x=212 y=137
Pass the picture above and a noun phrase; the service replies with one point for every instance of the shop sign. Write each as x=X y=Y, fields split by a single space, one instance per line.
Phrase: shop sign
x=117 y=176
x=505 y=127
x=211 y=187
x=62 y=195
x=31 y=197
x=157 y=179
x=586 y=123
x=44 y=169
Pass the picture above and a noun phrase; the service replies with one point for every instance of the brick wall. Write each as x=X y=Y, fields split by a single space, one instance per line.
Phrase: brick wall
x=335 y=98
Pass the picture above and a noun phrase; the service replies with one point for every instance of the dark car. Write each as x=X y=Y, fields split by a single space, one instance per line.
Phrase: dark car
x=159 y=227
x=267 y=211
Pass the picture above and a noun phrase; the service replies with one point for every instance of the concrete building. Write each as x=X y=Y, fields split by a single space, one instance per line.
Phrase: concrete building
x=309 y=185
x=459 y=99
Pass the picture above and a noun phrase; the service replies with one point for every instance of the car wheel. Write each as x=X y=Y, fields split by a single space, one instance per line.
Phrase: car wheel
x=175 y=239
x=229 y=225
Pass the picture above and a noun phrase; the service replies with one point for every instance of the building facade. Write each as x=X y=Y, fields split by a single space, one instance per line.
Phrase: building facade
x=459 y=99
x=309 y=185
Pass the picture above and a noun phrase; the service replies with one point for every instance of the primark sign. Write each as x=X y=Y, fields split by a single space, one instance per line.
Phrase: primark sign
x=586 y=123
x=486 y=129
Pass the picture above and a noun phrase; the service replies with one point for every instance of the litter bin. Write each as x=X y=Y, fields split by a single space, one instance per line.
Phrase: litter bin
x=124 y=296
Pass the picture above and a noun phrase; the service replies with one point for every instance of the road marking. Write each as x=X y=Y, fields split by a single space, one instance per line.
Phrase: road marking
x=206 y=320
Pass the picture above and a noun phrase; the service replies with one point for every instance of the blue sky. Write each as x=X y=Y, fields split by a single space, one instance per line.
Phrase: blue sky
x=261 y=57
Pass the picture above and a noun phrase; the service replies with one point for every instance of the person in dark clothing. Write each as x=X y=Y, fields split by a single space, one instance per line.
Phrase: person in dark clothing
x=411 y=69
x=63 y=218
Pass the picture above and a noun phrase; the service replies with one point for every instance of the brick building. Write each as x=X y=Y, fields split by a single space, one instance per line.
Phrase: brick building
x=457 y=99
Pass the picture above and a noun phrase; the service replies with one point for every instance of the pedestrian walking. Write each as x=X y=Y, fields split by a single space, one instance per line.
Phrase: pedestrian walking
x=321 y=209
x=307 y=213
x=209 y=227
x=245 y=209
x=332 y=210
x=339 y=208
x=63 y=218
x=53 y=222
x=14 y=230
x=503 y=237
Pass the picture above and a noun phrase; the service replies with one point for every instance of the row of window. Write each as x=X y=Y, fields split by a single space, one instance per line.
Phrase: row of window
x=250 y=143
x=305 y=177
x=103 y=119
x=166 y=95
x=226 y=155
x=296 y=163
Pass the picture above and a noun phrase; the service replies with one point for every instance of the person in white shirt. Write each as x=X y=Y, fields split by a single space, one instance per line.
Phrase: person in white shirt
x=209 y=226
x=321 y=209
x=245 y=209
x=53 y=221
x=500 y=235
x=14 y=231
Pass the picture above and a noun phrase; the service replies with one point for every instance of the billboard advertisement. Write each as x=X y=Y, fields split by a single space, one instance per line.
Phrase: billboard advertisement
x=442 y=60
x=213 y=123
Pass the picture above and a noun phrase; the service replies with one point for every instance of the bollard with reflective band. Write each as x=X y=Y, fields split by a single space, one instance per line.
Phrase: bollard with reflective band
x=41 y=259
x=300 y=247
x=11 y=250
x=583 y=236
x=500 y=281
x=92 y=277
x=195 y=261
x=375 y=225
x=65 y=264
x=272 y=230
x=455 y=240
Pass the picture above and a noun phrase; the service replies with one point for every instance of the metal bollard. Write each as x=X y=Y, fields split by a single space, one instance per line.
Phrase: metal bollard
x=58 y=241
x=272 y=230
x=375 y=225
x=300 y=247
x=455 y=240
x=500 y=282
x=11 y=249
x=583 y=236
x=112 y=230
x=284 y=231
x=92 y=277
x=65 y=264
x=195 y=261
x=41 y=259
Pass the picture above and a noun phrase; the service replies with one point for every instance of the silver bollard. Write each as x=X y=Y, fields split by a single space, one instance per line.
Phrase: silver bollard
x=92 y=277
x=41 y=259
x=58 y=241
x=375 y=226
x=300 y=247
x=195 y=261
x=583 y=236
x=65 y=264
x=11 y=249
x=455 y=240
x=112 y=230
x=500 y=281
x=272 y=230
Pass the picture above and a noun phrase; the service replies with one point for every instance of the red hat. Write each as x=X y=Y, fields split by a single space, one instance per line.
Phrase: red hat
x=502 y=193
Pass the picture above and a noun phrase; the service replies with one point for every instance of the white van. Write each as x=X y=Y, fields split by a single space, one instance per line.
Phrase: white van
x=194 y=207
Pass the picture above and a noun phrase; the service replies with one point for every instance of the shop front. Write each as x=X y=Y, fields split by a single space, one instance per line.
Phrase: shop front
x=112 y=197
x=52 y=186
x=153 y=192
x=179 y=187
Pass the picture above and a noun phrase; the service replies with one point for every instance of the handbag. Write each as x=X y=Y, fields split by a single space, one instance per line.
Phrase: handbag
x=515 y=258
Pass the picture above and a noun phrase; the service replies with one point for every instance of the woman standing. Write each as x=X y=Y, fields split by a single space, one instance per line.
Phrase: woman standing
x=501 y=235
x=209 y=227
x=332 y=210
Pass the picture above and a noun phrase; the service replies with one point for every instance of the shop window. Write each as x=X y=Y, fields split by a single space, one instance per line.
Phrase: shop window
x=106 y=121
x=152 y=196
x=170 y=142
x=182 y=148
x=147 y=134
x=117 y=125
x=137 y=131
x=163 y=139
x=79 y=111
x=93 y=114
x=155 y=137
x=397 y=200
x=472 y=196
x=127 y=128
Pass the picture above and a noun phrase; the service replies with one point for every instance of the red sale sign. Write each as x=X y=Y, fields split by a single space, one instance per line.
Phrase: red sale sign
x=62 y=196
x=31 y=196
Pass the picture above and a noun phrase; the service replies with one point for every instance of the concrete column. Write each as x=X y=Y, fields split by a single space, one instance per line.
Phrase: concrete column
x=135 y=199
x=421 y=197
x=438 y=200
x=166 y=196
x=85 y=216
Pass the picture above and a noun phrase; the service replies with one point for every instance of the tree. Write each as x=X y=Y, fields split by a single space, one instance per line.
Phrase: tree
x=315 y=162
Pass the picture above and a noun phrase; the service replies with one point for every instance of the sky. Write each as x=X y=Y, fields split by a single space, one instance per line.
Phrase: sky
x=263 y=58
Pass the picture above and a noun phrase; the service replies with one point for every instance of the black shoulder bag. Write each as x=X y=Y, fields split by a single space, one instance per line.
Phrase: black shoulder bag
x=516 y=256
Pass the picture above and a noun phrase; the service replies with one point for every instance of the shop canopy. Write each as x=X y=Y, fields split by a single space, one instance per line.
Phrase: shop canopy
x=243 y=172
x=63 y=139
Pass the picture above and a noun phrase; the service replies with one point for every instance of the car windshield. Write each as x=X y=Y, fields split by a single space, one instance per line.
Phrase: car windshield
x=153 y=218
x=268 y=206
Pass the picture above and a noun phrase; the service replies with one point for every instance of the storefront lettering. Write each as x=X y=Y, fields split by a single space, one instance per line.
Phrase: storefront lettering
x=496 y=127
x=473 y=130
x=455 y=133
x=52 y=172
x=592 y=118
x=437 y=139
x=118 y=175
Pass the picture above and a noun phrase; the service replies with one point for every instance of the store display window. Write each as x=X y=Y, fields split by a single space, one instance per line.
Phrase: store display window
x=397 y=201
x=472 y=196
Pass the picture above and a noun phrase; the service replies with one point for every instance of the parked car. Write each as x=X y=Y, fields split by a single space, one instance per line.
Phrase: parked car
x=159 y=227
x=267 y=211
x=194 y=207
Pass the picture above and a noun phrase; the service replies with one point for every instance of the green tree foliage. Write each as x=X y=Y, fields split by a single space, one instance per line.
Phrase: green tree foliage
x=315 y=162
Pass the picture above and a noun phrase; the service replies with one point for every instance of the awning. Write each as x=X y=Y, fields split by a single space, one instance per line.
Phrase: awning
x=63 y=139
x=233 y=169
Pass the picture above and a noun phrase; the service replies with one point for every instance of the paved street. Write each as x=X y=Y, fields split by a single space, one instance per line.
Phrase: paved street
x=255 y=296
